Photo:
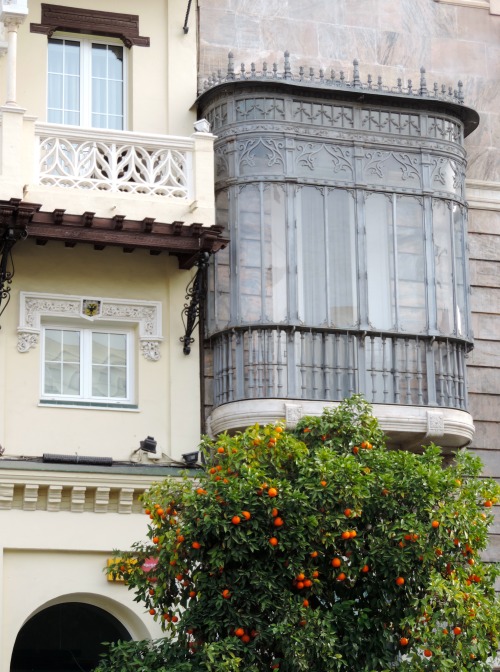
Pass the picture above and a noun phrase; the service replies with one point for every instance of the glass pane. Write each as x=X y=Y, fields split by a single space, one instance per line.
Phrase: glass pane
x=55 y=56
x=71 y=379
x=118 y=383
x=250 y=261
x=55 y=92
x=118 y=349
x=53 y=345
x=99 y=96
x=52 y=379
x=100 y=348
x=71 y=346
x=275 y=254
x=311 y=256
x=99 y=121
x=443 y=265
x=99 y=64
x=55 y=116
x=411 y=265
x=72 y=93
x=115 y=62
x=100 y=381
x=115 y=98
x=460 y=261
x=71 y=58
x=342 y=268
x=380 y=261
x=72 y=118
x=115 y=123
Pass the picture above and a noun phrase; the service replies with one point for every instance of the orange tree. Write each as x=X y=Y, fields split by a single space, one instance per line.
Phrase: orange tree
x=317 y=549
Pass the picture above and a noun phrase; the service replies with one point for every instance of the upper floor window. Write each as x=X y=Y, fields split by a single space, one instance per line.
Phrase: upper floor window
x=86 y=83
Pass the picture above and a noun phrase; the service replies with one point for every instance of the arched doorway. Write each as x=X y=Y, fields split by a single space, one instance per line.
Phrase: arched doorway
x=65 y=638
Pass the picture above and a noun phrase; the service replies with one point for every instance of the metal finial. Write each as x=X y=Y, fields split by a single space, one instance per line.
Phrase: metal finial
x=400 y=85
x=264 y=68
x=410 y=87
x=436 y=90
x=230 y=65
x=460 y=94
x=321 y=75
x=379 y=82
x=288 y=72
x=252 y=70
x=242 y=68
x=275 y=70
x=423 y=83
x=301 y=73
x=356 y=82
x=342 y=77
x=370 y=80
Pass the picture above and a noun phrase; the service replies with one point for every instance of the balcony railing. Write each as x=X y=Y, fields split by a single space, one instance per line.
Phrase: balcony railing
x=299 y=363
x=119 y=161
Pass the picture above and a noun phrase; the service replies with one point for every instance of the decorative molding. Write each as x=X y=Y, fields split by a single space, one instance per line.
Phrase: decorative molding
x=483 y=195
x=435 y=425
x=36 y=306
x=101 y=499
x=293 y=413
x=90 y=22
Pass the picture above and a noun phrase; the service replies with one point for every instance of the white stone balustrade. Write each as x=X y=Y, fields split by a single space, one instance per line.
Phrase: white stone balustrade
x=120 y=161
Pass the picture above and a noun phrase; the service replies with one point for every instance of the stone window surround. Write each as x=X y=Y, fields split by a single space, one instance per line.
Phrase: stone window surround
x=492 y=5
x=145 y=314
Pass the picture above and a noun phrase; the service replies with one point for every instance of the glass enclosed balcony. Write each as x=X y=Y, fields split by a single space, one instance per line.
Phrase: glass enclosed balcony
x=347 y=267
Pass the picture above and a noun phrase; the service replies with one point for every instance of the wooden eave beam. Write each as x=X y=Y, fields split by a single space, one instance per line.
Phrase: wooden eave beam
x=176 y=238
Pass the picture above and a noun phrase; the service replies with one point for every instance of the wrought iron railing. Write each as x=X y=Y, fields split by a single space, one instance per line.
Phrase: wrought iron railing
x=301 y=363
x=115 y=161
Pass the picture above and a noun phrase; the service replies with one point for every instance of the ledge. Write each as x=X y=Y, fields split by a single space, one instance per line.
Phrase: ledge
x=407 y=427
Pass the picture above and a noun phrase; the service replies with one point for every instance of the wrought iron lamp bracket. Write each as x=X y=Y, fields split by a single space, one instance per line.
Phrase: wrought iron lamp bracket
x=8 y=238
x=195 y=296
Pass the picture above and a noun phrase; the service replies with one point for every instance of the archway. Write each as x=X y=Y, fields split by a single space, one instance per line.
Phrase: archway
x=65 y=637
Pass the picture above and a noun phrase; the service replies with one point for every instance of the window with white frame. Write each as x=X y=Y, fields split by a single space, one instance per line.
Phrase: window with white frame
x=86 y=83
x=87 y=365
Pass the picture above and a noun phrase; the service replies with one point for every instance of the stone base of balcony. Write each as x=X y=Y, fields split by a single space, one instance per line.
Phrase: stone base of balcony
x=409 y=427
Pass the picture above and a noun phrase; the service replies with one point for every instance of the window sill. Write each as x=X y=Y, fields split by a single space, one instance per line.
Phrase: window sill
x=89 y=405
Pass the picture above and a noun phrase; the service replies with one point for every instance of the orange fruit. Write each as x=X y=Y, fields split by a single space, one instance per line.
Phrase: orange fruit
x=175 y=619
x=305 y=603
x=355 y=450
x=400 y=581
x=226 y=594
x=341 y=577
x=365 y=569
x=152 y=612
x=278 y=429
x=315 y=574
x=346 y=535
x=300 y=585
x=404 y=641
x=314 y=554
x=278 y=522
x=272 y=492
x=273 y=541
x=488 y=503
x=308 y=583
x=147 y=511
x=236 y=520
x=246 y=515
x=427 y=653
x=457 y=630
x=336 y=562
x=245 y=638
x=196 y=544
x=239 y=632
x=323 y=483
x=192 y=593
x=274 y=513
x=435 y=524
x=347 y=513
x=220 y=450
x=300 y=577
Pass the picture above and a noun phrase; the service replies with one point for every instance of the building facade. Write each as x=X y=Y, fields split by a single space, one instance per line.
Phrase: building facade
x=361 y=203
x=107 y=207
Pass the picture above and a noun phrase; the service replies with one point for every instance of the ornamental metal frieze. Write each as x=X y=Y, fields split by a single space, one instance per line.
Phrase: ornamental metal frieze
x=260 y=108
x=145 y=314
x=324 y=160
x=392 y=167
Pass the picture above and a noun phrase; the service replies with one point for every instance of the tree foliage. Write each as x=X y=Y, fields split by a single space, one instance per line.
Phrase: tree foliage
x=317 y=549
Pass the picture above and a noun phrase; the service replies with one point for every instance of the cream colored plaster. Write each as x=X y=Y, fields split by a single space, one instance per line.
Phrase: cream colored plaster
x=167 y=390
x=45 y=562
x=161 y=78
